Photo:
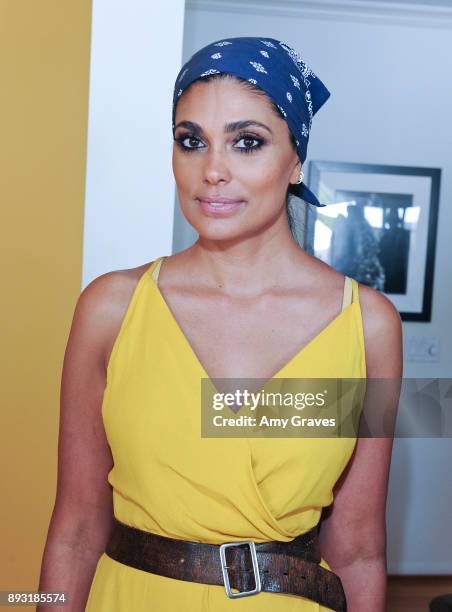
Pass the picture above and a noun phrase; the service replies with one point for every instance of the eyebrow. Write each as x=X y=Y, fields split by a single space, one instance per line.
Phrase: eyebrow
x=228 y=128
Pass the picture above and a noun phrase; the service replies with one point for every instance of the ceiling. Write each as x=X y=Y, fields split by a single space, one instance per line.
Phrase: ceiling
x=447 y=3
x=418 y=13
x=336 y=3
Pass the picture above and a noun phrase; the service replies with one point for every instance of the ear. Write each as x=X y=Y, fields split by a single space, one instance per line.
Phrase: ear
x=295 y=173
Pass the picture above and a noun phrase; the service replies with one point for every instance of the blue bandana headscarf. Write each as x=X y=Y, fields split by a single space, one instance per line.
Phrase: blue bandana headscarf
x=274 y=67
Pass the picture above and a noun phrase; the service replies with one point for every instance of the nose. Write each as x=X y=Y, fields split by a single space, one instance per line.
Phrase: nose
x=216 y=168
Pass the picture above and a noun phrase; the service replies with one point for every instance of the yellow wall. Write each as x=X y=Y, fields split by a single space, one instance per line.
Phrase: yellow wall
x=44 y=67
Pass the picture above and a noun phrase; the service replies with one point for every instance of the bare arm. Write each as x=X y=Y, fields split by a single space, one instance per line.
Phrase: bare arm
x=353 y=532
x=82 y=515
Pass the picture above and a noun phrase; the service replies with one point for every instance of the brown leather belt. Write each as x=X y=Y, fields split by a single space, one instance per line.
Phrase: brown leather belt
x=276 y=567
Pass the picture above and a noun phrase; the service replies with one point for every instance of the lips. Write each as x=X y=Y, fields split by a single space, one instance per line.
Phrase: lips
x=219 y=205
x=219 y=199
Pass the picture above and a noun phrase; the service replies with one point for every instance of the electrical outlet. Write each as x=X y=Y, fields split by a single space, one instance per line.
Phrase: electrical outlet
x=422 y=348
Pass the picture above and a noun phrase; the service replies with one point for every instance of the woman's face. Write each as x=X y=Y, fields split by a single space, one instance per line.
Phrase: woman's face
x=249 y=164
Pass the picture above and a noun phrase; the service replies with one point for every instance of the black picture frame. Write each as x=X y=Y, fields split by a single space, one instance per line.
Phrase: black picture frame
x=382 y=224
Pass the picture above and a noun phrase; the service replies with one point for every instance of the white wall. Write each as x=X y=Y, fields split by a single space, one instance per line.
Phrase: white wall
x=391 y=104
x=135 y=57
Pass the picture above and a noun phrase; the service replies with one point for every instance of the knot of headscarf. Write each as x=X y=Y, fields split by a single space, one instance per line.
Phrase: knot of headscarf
x=274 y=67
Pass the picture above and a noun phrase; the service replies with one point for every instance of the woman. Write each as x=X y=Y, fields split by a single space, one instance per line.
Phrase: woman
x=244 y=301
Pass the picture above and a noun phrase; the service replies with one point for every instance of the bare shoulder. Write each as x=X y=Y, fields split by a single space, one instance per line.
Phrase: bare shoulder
x=103 y=303
x=382 y=329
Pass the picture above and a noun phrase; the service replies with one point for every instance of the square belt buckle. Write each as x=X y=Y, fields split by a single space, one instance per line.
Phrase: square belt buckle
x=224 y=569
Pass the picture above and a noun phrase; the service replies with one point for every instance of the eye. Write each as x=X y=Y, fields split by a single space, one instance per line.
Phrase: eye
x=249 y=138
x=187 y=137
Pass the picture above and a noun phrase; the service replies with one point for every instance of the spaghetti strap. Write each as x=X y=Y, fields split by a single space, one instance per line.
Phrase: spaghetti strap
x=155 y=268
x=348 y=293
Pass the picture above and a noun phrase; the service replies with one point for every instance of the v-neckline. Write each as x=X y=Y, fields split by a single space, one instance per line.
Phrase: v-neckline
x=174 y=322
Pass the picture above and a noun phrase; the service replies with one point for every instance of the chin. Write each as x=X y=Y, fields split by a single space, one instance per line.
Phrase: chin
x=214 y=231
x=221 y=229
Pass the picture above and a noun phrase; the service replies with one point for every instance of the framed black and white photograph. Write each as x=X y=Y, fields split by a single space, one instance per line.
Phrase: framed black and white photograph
x=379 y=227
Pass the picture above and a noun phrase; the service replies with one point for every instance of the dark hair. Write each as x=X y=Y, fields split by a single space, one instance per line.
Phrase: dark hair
x=293 y=212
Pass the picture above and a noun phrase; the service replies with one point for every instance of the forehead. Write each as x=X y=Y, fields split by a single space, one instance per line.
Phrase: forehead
x=226 y=97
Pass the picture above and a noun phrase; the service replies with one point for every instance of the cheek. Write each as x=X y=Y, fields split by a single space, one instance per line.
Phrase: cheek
x=182 y=168
x=262 y=176
x=262 y=170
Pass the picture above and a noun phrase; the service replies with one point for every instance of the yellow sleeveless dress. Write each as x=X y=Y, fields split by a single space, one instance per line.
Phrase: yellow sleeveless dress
x=168 y=480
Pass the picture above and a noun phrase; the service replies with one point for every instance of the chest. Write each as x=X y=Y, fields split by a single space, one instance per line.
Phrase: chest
x=251 y=338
